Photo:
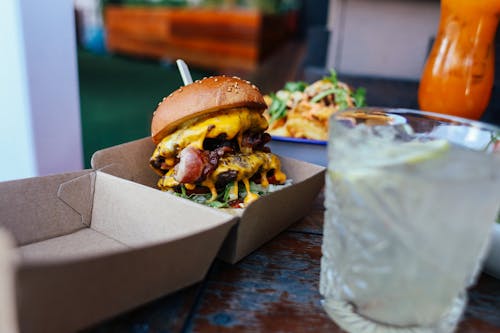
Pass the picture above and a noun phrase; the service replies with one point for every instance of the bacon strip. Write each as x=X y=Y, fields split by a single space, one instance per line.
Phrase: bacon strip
x=256 y=141
x=191 y=164
x=195 y=165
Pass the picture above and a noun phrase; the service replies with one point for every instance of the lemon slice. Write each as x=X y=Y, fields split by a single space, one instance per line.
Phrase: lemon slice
x=411 y=152
x=376 y=156
x=417 y=151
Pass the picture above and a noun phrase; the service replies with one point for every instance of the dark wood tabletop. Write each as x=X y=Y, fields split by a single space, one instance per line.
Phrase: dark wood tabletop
x=274 y=289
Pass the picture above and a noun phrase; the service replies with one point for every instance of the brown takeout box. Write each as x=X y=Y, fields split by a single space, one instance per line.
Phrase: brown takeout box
x=258 y=223
x=91 y=245
x=8 y=319
x=95 y=243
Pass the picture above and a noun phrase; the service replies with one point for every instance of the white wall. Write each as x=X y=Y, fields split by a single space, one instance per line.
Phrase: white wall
x=17 y=154
x=41 y=96
x=385 y=38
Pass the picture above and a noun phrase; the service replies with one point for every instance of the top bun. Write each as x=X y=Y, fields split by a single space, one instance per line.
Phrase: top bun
x=201 y=97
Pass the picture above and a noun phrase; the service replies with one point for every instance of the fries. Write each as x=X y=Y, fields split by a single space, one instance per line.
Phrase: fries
x=301 y=110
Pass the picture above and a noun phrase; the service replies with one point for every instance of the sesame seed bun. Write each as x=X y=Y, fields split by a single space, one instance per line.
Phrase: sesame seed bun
x=202 y=97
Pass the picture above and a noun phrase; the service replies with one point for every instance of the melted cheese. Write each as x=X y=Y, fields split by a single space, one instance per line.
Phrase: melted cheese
x=211 y=186
x=250 y=197
x=233 y=123
x=167 y=182
x=245 y=165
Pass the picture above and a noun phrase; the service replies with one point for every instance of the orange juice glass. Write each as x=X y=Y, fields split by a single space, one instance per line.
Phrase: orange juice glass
x=458 y=76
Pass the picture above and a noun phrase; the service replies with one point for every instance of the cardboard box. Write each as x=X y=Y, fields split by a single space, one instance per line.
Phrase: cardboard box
x=91 y=245
x=258 y=223
x=8 y=320
x=95 y=243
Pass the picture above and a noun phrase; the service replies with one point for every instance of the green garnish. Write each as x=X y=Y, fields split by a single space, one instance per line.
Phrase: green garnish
x=277 y=109
x=217 y=204
x=183 y=192
x=359 y=97
x=341 y=96
x=295 y=86
x=323 y=94
x=224 y=198
x=227 y=193
x=202 y=198
x=333 y=77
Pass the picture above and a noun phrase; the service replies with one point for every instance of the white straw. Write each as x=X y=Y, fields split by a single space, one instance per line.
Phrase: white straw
x=184 y=70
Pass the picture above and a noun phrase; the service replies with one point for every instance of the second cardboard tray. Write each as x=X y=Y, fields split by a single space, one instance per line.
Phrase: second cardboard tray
x=257 y=224
x=89 y=245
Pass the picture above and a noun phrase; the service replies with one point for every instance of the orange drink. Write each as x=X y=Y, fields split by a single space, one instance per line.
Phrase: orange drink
x=458 y=76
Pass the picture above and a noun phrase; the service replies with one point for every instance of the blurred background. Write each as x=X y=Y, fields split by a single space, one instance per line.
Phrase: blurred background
x=82 y=75
x=128 y=48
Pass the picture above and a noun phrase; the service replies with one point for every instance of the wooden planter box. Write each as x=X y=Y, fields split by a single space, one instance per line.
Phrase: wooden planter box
x=209 y=38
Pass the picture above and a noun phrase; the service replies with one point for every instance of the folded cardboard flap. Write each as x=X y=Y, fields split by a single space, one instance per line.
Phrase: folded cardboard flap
x=78 y=193
x=128 y=160
x=138 y=215
x=40 y=208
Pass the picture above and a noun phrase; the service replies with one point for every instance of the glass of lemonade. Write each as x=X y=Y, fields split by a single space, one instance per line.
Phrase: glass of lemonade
x=411 y=199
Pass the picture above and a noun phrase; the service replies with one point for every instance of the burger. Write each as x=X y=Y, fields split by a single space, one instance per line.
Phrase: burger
x=211 y=143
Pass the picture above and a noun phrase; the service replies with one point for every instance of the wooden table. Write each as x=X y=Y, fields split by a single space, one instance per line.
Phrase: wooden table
x=275 y=289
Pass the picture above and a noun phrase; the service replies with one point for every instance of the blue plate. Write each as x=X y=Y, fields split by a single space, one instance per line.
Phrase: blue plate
x=299 y=140
x=312 y=151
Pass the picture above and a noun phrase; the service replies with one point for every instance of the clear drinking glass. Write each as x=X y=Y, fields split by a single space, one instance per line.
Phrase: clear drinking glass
x=411 y=198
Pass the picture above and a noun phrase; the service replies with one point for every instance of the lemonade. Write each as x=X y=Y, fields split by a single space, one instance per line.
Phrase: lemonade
x=407 y=220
